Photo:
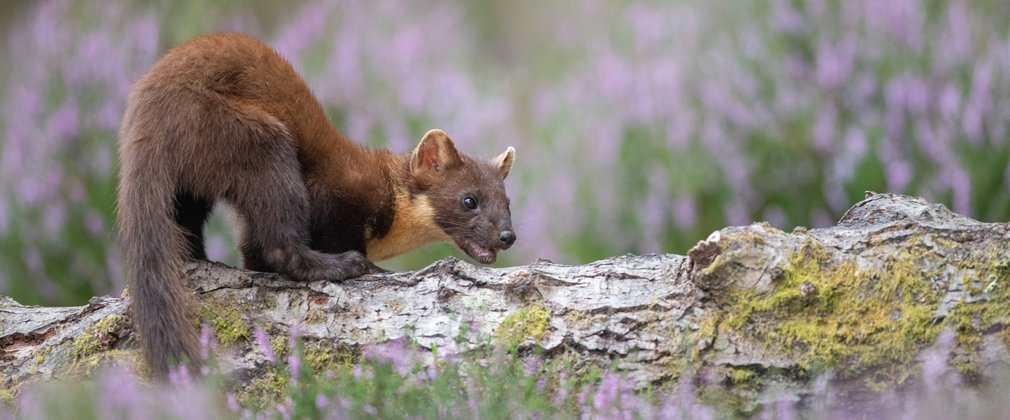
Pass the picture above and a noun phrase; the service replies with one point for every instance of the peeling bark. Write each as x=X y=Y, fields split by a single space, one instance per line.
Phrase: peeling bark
x=745 y=303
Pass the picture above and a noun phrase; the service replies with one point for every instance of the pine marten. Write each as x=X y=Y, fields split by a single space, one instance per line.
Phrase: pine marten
x=224 y=117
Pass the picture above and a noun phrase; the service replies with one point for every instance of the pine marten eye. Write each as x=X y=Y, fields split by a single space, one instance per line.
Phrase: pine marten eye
x=470 y=202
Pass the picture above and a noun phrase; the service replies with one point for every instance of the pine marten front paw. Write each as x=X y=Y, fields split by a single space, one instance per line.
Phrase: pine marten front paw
x=378 y=270
x=351 y=264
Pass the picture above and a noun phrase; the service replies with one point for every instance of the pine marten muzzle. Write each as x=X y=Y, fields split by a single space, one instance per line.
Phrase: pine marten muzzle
x=224 y=118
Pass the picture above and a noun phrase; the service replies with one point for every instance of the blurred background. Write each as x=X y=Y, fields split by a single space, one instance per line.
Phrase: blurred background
x=640 y=126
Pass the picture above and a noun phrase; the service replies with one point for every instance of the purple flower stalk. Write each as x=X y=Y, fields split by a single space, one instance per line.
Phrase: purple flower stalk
x=264 y=343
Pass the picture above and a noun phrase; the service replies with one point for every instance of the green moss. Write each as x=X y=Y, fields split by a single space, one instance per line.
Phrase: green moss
x=42 y=354
x=740 y=393
x=579 y=371
x=325 y=355
x=832 y=311
x=6 y=396
x=395 y=305
x=229 y=327
x=740 y=376
x=726 y=403
x=266 y=390
x=577 y=318
x=95 y=347
x=529 y=322
x=280 y=347
x=97 y=337
x=706 y=334
x=315 y=316
x=88 y=365
x=857 y=321
x=986 y=281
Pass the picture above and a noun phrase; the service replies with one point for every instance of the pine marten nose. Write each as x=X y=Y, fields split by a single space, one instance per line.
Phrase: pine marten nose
x=507 y=237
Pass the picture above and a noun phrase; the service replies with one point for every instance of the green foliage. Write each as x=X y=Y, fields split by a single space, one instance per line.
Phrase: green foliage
x=493 y=386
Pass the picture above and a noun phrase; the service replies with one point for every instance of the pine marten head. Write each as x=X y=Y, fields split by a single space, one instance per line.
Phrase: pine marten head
x=466 y=195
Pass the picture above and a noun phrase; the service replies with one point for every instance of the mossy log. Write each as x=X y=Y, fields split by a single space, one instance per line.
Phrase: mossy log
x=751 y=313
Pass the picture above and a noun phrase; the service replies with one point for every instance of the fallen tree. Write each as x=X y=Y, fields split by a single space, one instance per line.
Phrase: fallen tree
x=749 y=313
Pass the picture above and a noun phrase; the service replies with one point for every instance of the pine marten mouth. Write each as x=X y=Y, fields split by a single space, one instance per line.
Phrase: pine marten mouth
x=482 y=254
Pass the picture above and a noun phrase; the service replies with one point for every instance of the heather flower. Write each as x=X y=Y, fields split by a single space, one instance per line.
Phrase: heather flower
x=29 y=407
x=532 y=365
x=786 y=18
x=120 y=392
x=561 y=396
x=450 y=353
x=286 y=409
x=834 y=63
x=264 y=344
x=394 y=352
x=821 y=396
x=605 y=397
x=295 y=366
x=430 y=372
x=310 y=22
x=935 y=362
x=684 y=404
x=473 y=395
x=65 y=94
x=207 y=342
x=232 y=402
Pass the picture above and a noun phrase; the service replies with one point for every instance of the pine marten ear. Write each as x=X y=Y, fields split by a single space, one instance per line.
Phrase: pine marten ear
x=434 y=154
x=504 y=161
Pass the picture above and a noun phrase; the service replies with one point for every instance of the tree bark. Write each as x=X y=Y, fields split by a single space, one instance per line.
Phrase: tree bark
x=752 y=311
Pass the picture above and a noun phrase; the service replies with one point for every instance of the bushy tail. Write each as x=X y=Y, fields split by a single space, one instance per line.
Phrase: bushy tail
x=153 y=249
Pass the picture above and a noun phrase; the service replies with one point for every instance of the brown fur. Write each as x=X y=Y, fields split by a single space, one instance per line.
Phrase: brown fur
x=224 y=117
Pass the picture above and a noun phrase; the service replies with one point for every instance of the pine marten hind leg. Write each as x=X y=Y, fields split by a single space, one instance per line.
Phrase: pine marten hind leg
x=191 y=214
x=273 y=212
x=274 y=234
